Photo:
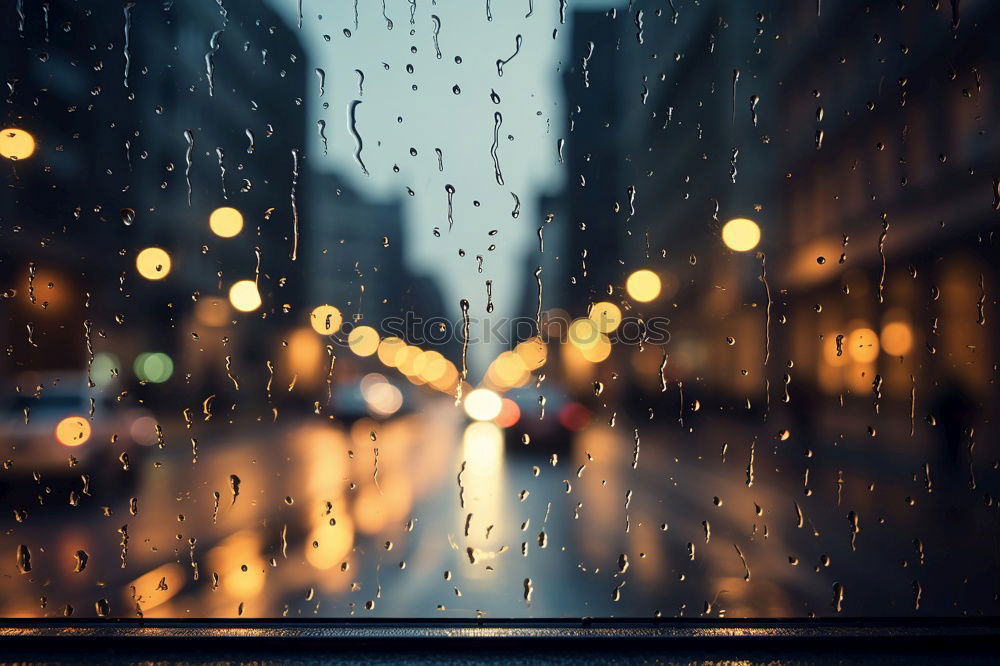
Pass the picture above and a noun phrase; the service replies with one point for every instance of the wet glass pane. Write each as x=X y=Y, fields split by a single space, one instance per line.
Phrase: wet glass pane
x=523 y=308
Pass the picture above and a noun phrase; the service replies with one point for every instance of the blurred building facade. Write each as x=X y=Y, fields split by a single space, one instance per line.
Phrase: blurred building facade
x=813 y=127
x=101 y=190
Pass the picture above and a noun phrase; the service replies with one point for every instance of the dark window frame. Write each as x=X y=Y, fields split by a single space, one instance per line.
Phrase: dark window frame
x=499 y=640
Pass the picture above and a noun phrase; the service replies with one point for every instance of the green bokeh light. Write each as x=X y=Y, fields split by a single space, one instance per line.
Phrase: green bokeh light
x=155 y=367
x=103 y=367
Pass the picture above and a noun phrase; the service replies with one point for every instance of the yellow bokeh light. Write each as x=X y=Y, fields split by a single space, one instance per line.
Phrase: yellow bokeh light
x=509 y=370
x=643 y=285
x=239 y=564
x=405 y=357
x=584 y=333
x=449 y=380
x=388 y=349
x=483 y=405
x=417 y=365
x=212 y=311
x=16 y=144
x=606 y=315
x=73 y=431
x=225 y=222
x=416 y=379
x=435 y=366
x=326 y=319
x=533 y=352
x=328 y=544
x=240 y=584
x=862 y=345
x=153 y=263
x=363 y=340
x=244 y=296
x=305 y=354
x=410 y=361
x=897 y=338
x=577 y=368
x=599 y=351
x=741 y=234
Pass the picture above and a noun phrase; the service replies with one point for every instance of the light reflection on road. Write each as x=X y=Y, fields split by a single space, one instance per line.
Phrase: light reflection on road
x=428 y=515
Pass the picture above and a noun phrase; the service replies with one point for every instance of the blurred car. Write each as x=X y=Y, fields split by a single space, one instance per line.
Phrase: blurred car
x=374 y=396
x=49 y=421
x=563 y=416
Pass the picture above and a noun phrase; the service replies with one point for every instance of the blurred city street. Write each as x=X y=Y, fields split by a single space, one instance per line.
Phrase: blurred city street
x=315 y=526
x=457 y=310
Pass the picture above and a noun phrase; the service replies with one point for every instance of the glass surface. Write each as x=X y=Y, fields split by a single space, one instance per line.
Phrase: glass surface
x=504 y=309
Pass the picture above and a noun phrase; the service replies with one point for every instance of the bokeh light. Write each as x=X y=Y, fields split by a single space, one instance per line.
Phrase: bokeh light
x=388 y=349
x=304 y=355
x=509 y=414
x=244 y=296
x=73 y=431
x=448 y=381
x=212 y=311
x=897 y=338
x=104 y=368
x=574 y=416
x=643 y=285
x=482 y=405
x=404 y=358
x=16 y=144
x=606 y=316
x=363 y=340
x=143 y=430
x=153 y=263
x=328 y=544
x=155 y=367
x=533 y=352
x=435 y=366
x=239 y=564
x=741 y=234
x=508 y=371
x=383 y=398
x=325 y=319
x=584 y=333
x=225 y=222
x=862 y=344
x=598 y=351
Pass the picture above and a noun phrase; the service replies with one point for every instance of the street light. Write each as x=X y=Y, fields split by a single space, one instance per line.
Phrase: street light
x=244 y=296
x=153 y=263
x=326 y=319
x=483 y=405
x=643 y=285
x=73 y=431
x=606 y=315
x=16 y=144
x=225 y=222
x=741 y=234
x=363 y=340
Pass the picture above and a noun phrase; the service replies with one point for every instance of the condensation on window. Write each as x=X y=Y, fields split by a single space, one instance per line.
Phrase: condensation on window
x=448 y=309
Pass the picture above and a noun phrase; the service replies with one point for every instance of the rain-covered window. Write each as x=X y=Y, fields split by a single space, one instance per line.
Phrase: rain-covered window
x=522 y=308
